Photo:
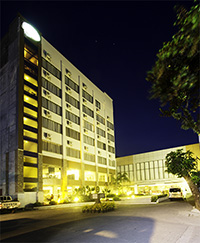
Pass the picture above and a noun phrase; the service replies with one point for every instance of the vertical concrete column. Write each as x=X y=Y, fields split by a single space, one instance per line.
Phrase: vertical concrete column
x=40 y=194
x=64 y=178
x=19 y=171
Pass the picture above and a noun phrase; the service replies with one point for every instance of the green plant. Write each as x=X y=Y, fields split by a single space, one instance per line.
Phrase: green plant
x=156 y=197
x=99 y=207
x=53 y=202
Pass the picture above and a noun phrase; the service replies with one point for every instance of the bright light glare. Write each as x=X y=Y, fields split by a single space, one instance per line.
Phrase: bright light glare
x=129 y=193
x=132 y=196
x=76 y=199
x=30 y=32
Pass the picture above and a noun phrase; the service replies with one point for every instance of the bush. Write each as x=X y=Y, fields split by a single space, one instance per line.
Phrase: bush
x=53 y=202
x=99 y=207
x=156 y=197
x=111 y=195
x=38 y=204
x=116 y=198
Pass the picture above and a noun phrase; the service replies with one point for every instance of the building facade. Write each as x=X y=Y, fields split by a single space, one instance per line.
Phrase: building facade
x=147 y=171
x=56 y=126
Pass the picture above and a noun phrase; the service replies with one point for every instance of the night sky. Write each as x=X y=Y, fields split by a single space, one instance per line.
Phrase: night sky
x=114 y=44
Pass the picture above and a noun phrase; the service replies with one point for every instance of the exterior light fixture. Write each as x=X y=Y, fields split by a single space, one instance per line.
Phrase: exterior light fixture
x=30 y=32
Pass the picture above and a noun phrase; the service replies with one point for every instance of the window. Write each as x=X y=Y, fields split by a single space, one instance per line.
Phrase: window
x=88 y=140
x=30 y=187
x=71 y=84
x=100 y=119
x=28 y=159
x=30 y=56
x=30 y=112
x=110 y=125
x=72 y=133
x=30 y=90
x=75 y=153
x=88 y=111
x=87 y=96
x=87 y=125
x=52 y=147
x=72 y=101
x=90 y=176
x=98 y=104
x=111 y=149
x=30 y=80
x=101 y=132
x=73 y=174
x=111 y=163
x=51 y=87
x=31 y=172
x=111 y=137
x=51 y=106
x=30 y=146
x=89 y=157
x=101 y=145
x=102 y=160
x=30 y=122
x=72 y=117
x=49 y=67
x=51 y=125
x=30 y=134
x=102 y=177
x=30 y=101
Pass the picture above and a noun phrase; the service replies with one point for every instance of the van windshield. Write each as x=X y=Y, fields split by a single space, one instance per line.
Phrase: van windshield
x=174 y=190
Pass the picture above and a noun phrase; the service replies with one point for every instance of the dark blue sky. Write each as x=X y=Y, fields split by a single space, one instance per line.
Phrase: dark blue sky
x=114 y=44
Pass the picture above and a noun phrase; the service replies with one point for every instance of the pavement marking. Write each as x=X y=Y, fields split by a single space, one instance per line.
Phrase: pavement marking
x=186 y=236
x=107 y=234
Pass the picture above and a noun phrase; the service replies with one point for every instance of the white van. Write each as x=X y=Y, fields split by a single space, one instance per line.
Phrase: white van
x=175 y=193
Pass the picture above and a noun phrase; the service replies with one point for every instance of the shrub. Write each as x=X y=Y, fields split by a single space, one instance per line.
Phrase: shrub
x=116 y=198
x=53 y=202
x=38 y=204
x=156 y=197
x=98 y=207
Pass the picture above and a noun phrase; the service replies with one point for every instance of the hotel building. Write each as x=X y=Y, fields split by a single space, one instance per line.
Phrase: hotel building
x=147 y=171
x=56 y=126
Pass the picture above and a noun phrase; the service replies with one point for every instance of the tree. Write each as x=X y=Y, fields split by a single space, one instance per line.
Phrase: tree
x=184 y=164
x=175 y=76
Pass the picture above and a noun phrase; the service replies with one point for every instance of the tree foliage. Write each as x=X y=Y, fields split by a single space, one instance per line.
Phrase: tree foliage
x=175 y=76
x=184 y=164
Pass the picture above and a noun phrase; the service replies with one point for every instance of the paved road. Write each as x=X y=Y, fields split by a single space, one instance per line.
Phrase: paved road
x=167 y=222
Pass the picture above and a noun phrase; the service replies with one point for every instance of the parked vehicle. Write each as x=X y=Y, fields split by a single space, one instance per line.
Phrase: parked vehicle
x=6 y=202
x=175 y=193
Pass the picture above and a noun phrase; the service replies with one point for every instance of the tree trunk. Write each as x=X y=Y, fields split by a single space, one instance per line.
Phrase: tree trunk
x=195 y=191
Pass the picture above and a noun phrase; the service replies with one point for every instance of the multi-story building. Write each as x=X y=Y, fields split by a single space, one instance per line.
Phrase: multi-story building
x=147 y=171
x=56 y=126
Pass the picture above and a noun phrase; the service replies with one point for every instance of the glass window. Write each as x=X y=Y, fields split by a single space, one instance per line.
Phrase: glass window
x=30 y=90
x=30 y=122
x=30 y=134
x=29 y=159
x=30 y=146
x=73 y=174
x=90 y=176
x=30 y=56
x=30 y=112
x=30 y=187
x=30 y=172
x=30 y=80
x=30 y=101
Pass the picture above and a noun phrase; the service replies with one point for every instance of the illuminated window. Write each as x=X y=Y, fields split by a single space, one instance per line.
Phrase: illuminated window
x=28 y=159
x=30 y=122
x=30 y=172
x=90 y=176
x=30 y=134
x=29 y=90
x=30 y=80
x=31 y=101
x=30 y=146
x=30 y=56
x=30 y=112
x=73 y=174
x=30 y=187
x=103 y=177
